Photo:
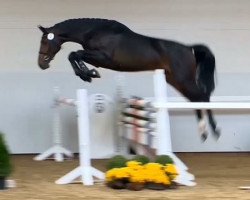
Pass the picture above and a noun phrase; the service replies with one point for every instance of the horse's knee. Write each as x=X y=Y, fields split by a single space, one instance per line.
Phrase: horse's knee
x=72 y=56
x=75 y=55
x=79 y=52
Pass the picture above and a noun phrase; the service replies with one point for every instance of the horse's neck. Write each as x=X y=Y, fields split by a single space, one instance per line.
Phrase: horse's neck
x=78 y=34
x=76 y=37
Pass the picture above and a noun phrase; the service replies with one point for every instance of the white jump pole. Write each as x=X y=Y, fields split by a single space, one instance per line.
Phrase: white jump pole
x=163 y=129
x=163 y=125
x=85 y=171
x=58 y=151
x=204 y=105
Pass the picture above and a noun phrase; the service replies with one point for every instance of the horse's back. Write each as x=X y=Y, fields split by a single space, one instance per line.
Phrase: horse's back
x=127 y=48
x=137 y=49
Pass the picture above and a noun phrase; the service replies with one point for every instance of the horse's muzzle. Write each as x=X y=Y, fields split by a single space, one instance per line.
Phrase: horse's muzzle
x=43 y=64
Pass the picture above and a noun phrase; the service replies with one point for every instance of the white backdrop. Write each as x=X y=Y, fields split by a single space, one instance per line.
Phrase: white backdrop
x=26 y=92
x=27 y=121
x=222 y=24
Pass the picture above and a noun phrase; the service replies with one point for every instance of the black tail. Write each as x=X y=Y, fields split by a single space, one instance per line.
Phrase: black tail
x=205 y=72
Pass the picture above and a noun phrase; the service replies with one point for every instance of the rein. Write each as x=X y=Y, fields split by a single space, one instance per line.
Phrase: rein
x=42 y=53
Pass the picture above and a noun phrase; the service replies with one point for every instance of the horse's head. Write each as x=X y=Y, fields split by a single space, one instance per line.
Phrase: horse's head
x=50 y=45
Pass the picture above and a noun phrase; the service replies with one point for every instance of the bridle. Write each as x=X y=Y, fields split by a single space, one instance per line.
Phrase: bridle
x=45 y=54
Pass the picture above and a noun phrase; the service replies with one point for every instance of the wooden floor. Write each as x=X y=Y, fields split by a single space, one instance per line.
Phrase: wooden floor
x=218 y=176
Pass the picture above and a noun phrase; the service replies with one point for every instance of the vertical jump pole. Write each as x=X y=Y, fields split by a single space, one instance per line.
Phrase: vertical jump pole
x=163 y=125
x=83 y=136
x=163 y=129
x=121 y=143
x=85 y=171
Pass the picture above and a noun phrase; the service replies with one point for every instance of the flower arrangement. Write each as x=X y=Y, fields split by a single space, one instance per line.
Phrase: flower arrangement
x=136 y=176
x=5 y=162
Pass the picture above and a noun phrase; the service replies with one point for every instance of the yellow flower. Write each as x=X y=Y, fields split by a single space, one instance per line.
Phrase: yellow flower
x=153 y=166
x=154 y=172
x=134 y=165
x=117 y=173
x=171 y=170
x=150 y=172
x=137 y=176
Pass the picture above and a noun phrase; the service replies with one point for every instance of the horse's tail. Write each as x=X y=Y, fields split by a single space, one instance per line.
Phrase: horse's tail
x=205 y=79
x=205 y=72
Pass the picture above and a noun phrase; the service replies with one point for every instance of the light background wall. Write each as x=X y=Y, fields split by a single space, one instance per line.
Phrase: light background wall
x=26 y=92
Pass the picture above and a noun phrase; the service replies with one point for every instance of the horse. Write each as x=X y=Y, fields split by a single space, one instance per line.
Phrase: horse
x=109 y=44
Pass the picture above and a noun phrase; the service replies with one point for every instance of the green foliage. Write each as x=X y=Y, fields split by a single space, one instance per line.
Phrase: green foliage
x=142 y=159
x=164 y=159
x=5 y=164
x=117 y=162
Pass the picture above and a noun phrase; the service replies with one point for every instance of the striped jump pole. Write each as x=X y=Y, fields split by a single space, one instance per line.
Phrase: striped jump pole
x=153 y=126
x=139 y=119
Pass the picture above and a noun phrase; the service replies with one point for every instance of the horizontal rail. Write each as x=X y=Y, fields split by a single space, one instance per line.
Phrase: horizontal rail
x=203 y=105
x=66 y=101
x=215 y=99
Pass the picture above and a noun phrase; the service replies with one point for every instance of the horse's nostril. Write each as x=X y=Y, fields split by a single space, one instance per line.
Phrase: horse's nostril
x=46 y=58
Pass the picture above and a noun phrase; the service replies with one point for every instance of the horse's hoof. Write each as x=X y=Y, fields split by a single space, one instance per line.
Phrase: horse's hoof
x=93 y=73
x=88 y=79
x=204 y=136
x=85 y=78
x=217 y=133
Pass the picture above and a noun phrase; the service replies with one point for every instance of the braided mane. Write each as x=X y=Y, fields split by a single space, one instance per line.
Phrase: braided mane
x=78 y=21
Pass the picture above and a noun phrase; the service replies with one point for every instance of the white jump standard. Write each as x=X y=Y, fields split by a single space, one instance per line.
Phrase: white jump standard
x=58 y=151
x=158 y=129
x=84 y=171
x=163 y=130
x=162 y=103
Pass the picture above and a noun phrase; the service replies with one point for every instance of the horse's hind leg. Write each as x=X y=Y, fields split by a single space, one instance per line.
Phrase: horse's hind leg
x=213 y=125
x=202 y=125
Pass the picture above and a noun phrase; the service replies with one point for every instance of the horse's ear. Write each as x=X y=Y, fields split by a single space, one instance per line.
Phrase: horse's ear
x=44 y=30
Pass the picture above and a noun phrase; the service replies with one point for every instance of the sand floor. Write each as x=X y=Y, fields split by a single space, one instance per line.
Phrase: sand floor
x=217 y=175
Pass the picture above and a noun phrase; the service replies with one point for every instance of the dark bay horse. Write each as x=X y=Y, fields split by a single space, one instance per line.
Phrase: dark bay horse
x=110 y=44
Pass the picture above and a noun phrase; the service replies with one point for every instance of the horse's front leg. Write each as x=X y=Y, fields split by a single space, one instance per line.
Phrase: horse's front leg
x=80 y=68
